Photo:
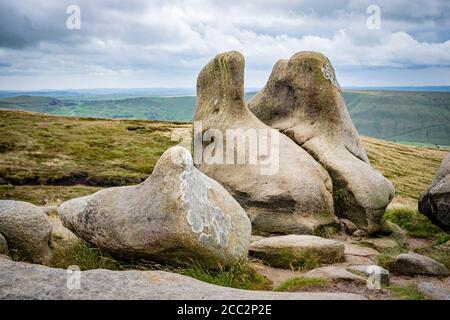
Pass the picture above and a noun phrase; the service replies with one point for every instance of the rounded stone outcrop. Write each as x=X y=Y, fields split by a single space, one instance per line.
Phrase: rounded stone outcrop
x=417 y=264
x=435 y=201
x=284 y=191
x=26 y=229
x=177 y=214
x=303 y=100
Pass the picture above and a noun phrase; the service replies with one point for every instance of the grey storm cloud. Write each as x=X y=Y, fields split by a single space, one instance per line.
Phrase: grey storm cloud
x=167 y=39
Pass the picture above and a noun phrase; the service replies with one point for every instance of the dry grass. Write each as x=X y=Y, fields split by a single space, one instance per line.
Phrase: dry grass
x=411 y=169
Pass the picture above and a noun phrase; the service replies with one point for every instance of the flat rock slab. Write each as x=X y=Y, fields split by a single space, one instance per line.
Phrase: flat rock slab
x=433 y=291
x=294 y=250
x=380 y=244
x=356 y=250
x=334 y=274
x=30 y=281
x=416 y=264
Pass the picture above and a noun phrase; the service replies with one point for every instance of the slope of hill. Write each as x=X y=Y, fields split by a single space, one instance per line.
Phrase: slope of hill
x=32 y=103
x=45 y=158
x=401 y=116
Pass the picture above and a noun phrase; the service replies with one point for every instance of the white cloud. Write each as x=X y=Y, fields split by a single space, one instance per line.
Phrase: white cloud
x=170 y=41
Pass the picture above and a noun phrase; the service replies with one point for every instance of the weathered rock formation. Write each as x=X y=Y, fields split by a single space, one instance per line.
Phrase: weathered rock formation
x=295 y=198
x=26 y=229
x=435 y=201
x=29 y=281
x=303 y=100
x=178 y=213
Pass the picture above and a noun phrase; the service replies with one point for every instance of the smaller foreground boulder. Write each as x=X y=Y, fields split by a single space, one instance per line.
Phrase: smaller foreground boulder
x=297 y=251
x=416 y=264
x=435 y=201
x=26 y=229
x=177 y=214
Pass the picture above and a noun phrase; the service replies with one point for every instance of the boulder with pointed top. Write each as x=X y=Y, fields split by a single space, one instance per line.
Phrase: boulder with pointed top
x=177 y=214
x=280 y=186
x=303 y=100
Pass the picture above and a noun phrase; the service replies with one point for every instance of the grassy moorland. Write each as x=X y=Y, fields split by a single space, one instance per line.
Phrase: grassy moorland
x=45 y=158
x=49 y=159
x=416 y=117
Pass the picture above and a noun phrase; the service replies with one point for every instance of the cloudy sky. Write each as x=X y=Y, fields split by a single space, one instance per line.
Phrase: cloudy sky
x=138 y=43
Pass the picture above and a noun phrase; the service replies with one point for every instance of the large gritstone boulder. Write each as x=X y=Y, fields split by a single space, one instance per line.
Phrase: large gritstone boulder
x=283 y=190
x=177 y=214
x=435 y=201
x=26 y=229
x=303 y=100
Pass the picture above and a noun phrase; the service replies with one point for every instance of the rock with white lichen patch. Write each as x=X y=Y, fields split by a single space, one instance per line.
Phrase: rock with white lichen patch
x=303 y=100
x=177 y=214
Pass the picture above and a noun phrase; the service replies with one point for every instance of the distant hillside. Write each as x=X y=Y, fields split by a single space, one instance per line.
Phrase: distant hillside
x=401 y=116
x=32 y=103
x=45 y=158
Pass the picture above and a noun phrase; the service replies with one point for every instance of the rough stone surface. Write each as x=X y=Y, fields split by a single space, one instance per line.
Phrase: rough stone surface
x=254 y=238
x=380 y=244
x=395 y=232
x=26 y=229
x=435 y=201
x=356 y=250
x=284 y=191
x=347 y=226
x=416 y=264
x=3 y=245
x=433 y=291
x=378 y=272
x=178 y=213
x=335 y=274
x=28 y=281
x=303 y=100
x=291 y=250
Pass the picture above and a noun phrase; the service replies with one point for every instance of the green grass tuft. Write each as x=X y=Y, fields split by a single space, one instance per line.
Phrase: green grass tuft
x=415 y=223
x=297 y=283
x=241 y=275
x=409 y=292
x=387 y=257
x=84 y=256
